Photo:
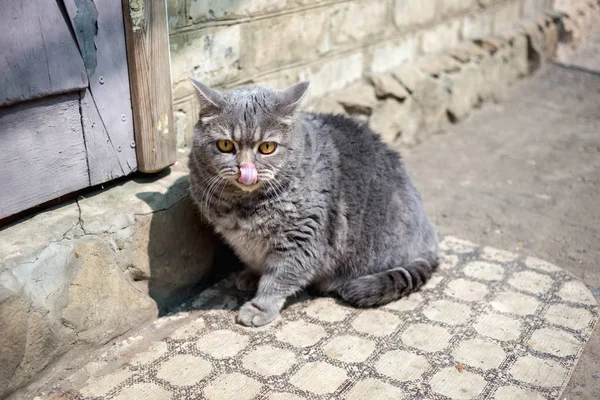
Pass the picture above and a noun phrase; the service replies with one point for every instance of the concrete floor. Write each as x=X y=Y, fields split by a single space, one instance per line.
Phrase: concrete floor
x=524 y=175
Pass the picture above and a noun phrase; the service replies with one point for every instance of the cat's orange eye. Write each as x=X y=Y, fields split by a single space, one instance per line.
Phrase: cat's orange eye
x=226 y=146
x=267 y=147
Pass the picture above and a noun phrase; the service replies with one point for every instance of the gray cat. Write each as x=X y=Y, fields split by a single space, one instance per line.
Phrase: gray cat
x=306 y=200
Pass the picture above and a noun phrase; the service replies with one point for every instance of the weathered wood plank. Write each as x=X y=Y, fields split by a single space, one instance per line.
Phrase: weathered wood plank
x=98 y=26
x=103 y=162
x=150 y=80
x=42 y=155
x=39 y=55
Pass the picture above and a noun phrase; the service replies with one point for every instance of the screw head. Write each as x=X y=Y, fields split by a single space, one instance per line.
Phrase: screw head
x=101 y=80
x=123 y=117
x=132 y=144
x=119 y=148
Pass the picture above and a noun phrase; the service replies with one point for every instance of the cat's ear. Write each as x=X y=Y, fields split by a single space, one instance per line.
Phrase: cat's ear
x=290 y=99
x=211 y=101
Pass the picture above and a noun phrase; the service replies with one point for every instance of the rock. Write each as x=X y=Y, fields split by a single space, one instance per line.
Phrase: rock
x=464 y=88
x=102 y=303
x=45 y=341
x=437 y=65
x=491 y=77
x=398 y=122
x=519 y=61
x=385 y=121
x=411 y=117
x=476 y=52
x=409 y=75
x=491 y=44
x=358 y=99
x=386 y=86
x=13 y=335
x=459 y=54
x=433 y=98
x=507 y=71
x=536 y=56
x=550 y=36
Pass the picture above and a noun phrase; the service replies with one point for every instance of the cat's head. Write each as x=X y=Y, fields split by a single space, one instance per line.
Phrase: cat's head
x=245 y=136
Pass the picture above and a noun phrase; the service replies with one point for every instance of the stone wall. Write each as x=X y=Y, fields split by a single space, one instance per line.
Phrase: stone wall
x=332 y=43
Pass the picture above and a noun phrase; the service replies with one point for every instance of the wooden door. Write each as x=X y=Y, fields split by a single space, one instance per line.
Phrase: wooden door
x=65 y=104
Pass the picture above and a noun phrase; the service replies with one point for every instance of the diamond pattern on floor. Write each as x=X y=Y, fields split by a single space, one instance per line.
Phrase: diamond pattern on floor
x=489 y=325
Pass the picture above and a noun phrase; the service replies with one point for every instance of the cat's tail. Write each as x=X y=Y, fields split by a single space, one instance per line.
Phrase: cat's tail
x=386 y=286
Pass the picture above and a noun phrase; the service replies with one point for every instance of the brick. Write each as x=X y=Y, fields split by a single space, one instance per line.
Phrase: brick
x=390 y=54
x=449 y=7
x=506 y=17
x=352 y=22
x=332 y=75
x=211 y=56
x=210 y=10
x=477 y=26
x=176 y=12
x=409 y=13
x=179 y=67
x=441 y=37
x=282 y=40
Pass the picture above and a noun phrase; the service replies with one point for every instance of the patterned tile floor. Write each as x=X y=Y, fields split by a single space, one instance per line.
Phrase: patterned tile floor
x=489 y=325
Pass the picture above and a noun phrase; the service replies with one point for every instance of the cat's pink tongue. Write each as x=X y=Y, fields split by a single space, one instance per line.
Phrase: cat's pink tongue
x=248 y=174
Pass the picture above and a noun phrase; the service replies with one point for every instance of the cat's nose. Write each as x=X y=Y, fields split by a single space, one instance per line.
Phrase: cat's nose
x=248 y=174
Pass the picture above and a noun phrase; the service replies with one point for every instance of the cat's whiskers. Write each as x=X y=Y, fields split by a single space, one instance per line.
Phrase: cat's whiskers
x=202 y=190
x=200 y=186
x=206 y=193
x=278 y=191
x=215 y=188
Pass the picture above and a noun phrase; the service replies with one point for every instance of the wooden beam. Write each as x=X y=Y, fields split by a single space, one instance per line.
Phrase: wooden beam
x=147 y=37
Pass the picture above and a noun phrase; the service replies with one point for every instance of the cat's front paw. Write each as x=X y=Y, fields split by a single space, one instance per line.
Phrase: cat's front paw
x=250 y=315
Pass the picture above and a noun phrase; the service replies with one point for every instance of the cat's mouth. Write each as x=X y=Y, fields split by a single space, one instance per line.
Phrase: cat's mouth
x=248 y=188
x=247 y=177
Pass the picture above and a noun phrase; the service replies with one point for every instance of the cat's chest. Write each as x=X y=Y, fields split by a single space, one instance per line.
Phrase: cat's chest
x=251 y=249
x=249 y=238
